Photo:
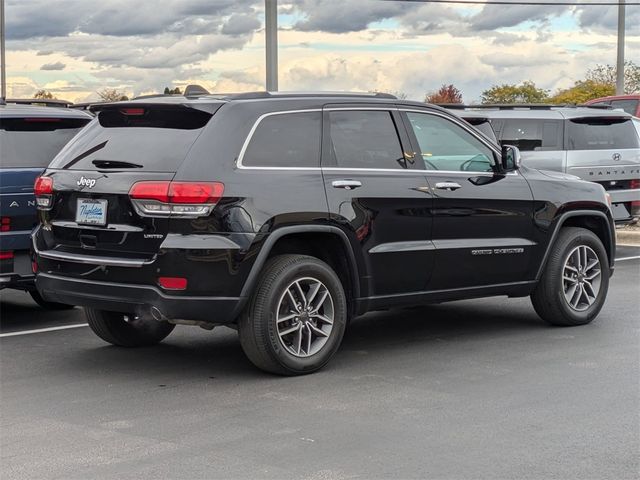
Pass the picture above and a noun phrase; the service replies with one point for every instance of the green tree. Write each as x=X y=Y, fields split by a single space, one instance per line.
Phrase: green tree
x=583 y=91
x=526 y=92
x=172 y=91
x=446 y=94
x=112 y=95
x=44 y=95
x=606 y=74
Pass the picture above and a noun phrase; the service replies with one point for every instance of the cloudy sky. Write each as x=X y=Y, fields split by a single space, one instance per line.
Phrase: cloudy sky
x=76 y=47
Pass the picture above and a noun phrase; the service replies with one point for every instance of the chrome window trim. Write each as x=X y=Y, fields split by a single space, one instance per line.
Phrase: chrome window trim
x=245 y=145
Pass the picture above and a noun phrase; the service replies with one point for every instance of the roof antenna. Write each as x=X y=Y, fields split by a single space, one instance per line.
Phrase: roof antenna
x=195 y=91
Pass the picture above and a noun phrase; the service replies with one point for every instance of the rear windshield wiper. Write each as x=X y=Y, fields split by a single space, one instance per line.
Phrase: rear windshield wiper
x=115 y=164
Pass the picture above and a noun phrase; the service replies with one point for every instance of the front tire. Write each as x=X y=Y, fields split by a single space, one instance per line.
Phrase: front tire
x=575 y=281
x=296 y=318
x=125 y=330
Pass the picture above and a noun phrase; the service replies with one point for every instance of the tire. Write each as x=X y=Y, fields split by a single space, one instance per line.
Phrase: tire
x=114 y=328
x=312 y=340
x=553 y=299
x=48 y=305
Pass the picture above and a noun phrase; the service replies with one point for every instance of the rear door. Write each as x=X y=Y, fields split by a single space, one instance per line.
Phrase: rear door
x=375 y=191
x=482 y=226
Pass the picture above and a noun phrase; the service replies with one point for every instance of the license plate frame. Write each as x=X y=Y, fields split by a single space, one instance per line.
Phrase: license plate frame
x=91 y=211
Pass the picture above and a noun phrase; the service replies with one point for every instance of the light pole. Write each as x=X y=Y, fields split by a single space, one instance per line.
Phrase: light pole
x=271 y=43
x=3 y=60
x=620 y=63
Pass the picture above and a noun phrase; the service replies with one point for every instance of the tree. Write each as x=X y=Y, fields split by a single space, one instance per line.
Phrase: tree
x=583 y=91
x=112 y=95
x=526 y=92
x=44 y=95
x=606 y=74
x=172 y=91
x=446 y=94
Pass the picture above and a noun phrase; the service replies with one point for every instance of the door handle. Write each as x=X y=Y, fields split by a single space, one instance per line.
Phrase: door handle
x=451 y=186
x=346 y=184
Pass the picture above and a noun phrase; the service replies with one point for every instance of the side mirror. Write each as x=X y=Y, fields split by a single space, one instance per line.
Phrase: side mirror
x=511 y=159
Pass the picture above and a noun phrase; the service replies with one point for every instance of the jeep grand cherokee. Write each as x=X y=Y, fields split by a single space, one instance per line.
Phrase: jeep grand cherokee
x=285 y=215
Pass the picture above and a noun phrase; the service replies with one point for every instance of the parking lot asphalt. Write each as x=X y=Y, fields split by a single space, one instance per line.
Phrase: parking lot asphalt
x=465 y=390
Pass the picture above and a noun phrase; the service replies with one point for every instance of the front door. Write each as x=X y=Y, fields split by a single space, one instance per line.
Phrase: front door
x=375 y=193
x=482 y=225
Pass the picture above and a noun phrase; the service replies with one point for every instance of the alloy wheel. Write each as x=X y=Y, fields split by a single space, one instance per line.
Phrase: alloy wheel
x=581 y=278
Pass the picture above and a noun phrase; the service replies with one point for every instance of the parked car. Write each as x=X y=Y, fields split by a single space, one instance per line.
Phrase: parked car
x=595 y=144
x=30 y=137
x=285 y=215
x=481 y=122
x=628 y=103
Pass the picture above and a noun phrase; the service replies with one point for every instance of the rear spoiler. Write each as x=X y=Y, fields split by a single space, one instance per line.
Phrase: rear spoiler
x=209 y=107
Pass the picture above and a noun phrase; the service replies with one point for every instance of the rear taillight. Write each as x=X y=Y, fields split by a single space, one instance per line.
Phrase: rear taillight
x=635 y=204
x=6 y=255
x=176 y=199
x=5 y=224
x=43 y=190
x=173 y=283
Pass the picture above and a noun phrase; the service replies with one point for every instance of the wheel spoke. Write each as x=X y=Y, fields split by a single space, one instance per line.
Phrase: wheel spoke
x=323 y=297
x=292 y=299
x=287 y=317
x=569 y=279
x=323 y=318
x=289 y=330
x=299 y=340
x=303 y=297
x=313 y=291
x=594 y=275
x=594 y=263
x=579 y=260
x=571 y=269
x=575 y=299
x=589 y=292
x=317 y=330
x=309 y=338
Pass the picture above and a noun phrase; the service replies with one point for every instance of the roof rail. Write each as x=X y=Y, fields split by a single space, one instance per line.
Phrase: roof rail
x=43 y=102
x=258 y=95
x=518 y=106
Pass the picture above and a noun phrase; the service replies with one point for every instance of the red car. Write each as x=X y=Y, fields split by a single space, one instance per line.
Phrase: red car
x=628 y=103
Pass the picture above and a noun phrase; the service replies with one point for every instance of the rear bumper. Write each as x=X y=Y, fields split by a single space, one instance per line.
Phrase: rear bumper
x=138 y=299
x=20 y=274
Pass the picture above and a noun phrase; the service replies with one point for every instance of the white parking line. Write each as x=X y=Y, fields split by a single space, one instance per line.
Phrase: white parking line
x=42 y=330
x=627 y=258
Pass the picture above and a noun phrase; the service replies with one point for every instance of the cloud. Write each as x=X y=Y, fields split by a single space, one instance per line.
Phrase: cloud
x=53 y=66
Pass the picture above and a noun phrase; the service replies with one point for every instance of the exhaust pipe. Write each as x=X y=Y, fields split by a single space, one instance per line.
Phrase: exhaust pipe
x=161 y=317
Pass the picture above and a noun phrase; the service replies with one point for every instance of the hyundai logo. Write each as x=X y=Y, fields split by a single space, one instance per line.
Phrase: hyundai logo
x=617 y=157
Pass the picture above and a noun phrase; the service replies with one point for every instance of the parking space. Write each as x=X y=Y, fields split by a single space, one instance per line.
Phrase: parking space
x=473 y=389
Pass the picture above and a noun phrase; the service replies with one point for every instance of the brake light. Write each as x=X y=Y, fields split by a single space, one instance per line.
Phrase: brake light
x=5 y=224
x=635 y=204
x=186 y=199
x=173 y=283
x=43 y=190
x=6 y=255
x=132 y=111
x=634 y=183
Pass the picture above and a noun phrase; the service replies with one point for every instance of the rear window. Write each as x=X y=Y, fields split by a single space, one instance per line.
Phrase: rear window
x=34 y=142
x=130 y=136
x=629 y=106
x=286 y=140
x=602 y=134
x=530 y=135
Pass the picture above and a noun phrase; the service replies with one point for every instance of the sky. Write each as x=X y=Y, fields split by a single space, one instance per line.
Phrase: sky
x=75 y=48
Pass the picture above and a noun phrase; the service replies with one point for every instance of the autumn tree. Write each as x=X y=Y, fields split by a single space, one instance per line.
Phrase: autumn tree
x=606 y=74
x=583 y=91
x=526 y=92
x=172 y=91
x=112 y=95
x=43 y=94
x=446 y=94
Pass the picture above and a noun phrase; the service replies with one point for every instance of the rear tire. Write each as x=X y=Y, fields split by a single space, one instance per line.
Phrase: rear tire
x=48 y=305
x=575 y=280
x=125 y=330
x=296 y=318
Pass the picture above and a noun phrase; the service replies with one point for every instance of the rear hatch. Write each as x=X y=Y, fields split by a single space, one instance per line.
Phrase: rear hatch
x=27 y=145
x=92 y=213
x=603 y=149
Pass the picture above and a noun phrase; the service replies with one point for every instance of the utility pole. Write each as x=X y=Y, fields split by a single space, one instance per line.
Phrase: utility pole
x=620 y=63
x=3 y=59
x=271 y=43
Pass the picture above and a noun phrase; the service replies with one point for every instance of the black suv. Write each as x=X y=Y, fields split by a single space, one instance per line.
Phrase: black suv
x=285 y=215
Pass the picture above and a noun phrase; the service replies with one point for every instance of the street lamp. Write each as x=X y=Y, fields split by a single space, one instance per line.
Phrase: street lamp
x=271 y=43
x=620 y=67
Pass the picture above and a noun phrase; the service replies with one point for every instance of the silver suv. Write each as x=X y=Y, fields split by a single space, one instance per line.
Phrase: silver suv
x=596 y=144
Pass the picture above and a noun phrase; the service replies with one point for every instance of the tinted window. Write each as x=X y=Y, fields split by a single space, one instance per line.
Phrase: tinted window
x=629 y=106
x=445 y=145
x=531 y=135
x=286 y=140
x=365 y=139
x=602 y=134
x=34 y=142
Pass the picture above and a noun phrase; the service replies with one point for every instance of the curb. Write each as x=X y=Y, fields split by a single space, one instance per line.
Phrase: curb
x=628 y=237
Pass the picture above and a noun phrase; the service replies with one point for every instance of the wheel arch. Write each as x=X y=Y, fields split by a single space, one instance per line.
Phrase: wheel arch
x=328 y=243
x=597 y=222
